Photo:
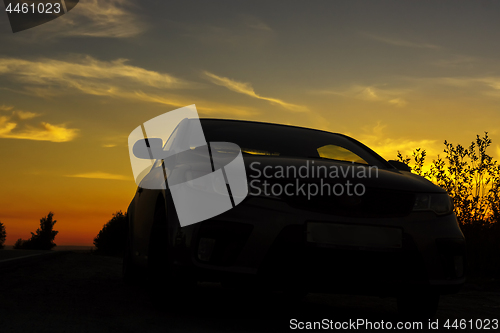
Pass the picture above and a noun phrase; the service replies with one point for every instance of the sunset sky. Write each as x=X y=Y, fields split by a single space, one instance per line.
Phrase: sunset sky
x=396 y=75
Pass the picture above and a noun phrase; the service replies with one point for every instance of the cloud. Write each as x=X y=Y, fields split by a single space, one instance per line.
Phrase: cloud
x=398 y=102
x=23 y=115
x=6 y=107
x=370 y=93
x=247 y=89
x=114 y=140
x=458 y=61
x=94 y=18
x=6 y=126
x=100 y=175
x=255 y=23
x=86 y=74
x=116 y=79
x=43 y=132
x=9 y=128
x=492 y=82
x=485 y=85
x=243 y=32
x=401 y=42
x=203 y=107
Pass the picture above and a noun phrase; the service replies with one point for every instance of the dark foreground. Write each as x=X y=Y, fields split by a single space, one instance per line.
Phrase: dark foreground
x=80 y=292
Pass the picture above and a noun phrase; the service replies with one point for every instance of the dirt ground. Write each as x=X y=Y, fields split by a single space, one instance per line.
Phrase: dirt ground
x=81 y=292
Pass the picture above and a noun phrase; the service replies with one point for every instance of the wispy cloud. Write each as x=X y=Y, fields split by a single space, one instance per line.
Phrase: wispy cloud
x=114 y=140
x=203 y=106
x=370 y=93
x=492 y=82
x=23 y=115
x=6 y=107
x=257 y=24
x=94 y=18
x=398 y=102
x=14 y=126
x=485 y=85
x=43 y=132
x=243 y=33
x=100 y=175
x=85 y=73
x=116 y=79
x=247 y=89
x=401 y=42
x=457 y=61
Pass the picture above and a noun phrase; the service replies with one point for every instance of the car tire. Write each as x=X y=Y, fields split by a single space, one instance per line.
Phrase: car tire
x=130 y=271
x=418 y=304
x=165 y=282
x=294 y=297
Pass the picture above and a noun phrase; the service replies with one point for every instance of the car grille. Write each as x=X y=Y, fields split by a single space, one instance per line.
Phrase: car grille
x=374 y=203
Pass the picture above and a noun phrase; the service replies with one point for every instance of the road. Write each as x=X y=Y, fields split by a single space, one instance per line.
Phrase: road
x=82 y=292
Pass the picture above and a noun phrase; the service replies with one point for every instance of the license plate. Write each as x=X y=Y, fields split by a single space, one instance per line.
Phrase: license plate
x=348 y=235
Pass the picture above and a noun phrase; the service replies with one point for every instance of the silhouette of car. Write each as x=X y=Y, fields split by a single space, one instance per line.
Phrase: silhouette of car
x=388 y=233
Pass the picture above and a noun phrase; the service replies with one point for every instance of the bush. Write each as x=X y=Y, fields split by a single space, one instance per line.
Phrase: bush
x=469 y=175
x=112 y=238
x=43 y=239
x=472 y=178
x=3 y=235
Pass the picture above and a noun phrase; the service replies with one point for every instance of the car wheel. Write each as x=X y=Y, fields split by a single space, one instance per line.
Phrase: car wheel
x=294 y=295
x=165 y=282
x=418 y=304
x=130 y=271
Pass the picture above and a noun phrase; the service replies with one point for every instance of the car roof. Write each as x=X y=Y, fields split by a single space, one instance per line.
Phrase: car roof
x=267 y=123
x=380 y=158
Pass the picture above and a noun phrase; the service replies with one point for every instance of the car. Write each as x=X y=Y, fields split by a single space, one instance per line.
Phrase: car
x=324 y=213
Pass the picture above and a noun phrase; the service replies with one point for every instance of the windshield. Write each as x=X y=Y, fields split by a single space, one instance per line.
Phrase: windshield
x=286 y=141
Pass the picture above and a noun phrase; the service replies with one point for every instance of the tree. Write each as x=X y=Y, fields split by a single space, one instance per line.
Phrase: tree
x=112 y=238
x=19 y=244
x=43 y=238
x=3 y=235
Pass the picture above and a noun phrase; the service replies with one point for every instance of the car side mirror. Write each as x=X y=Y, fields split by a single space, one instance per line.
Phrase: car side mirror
x=149 y=149
x=400 y=165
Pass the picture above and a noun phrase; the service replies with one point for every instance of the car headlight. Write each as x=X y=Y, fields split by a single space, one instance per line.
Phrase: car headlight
x=439 y=203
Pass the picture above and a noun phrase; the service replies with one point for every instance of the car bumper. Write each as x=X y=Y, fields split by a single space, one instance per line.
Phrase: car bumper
x=265 y=241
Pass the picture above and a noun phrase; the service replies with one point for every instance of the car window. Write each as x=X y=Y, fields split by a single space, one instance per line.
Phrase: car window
x=253 y=151
x=334 y=152
x=287 y=141
x=171 y=139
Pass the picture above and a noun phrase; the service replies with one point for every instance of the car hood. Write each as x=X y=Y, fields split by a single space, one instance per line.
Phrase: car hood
x=312 y=170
